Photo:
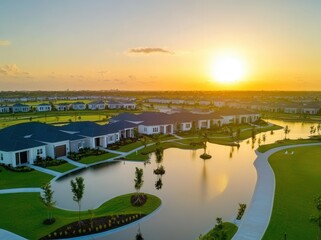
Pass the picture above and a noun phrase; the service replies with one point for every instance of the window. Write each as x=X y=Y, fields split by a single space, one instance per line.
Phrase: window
x=110 y=138
x=80 y=145
x=39 y=151
x=145 y=129
x=188 y=125
x=117 y=137
x=155 y=129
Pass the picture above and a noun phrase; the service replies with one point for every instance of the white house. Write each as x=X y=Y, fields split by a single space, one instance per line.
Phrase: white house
x=79 y=106
x=4 y=109
x=62 y=107
x=120 y=105
x=20 y=108
x=44 y=107
x=96 y=105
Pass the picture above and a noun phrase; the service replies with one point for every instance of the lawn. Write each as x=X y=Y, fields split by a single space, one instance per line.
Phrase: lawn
x=27 y=213
x=95 y=159
x=264 y=148
x=129 y=147
x=22 y=179
x=297 y=183
x=63 y=167
x=230 y=229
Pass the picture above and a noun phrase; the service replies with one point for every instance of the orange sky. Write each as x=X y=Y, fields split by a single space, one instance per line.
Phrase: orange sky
x=158 y=45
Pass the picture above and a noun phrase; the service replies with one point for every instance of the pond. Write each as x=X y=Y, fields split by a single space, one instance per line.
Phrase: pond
x=194 y=192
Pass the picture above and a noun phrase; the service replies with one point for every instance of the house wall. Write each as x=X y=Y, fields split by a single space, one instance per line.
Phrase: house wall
x=78 y=144
x=7 y=158
x=50 y=147
x=112 y=138
x=186 y=126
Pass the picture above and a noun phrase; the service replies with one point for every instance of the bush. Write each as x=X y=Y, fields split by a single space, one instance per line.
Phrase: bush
x=16 y=169
x=48 y=162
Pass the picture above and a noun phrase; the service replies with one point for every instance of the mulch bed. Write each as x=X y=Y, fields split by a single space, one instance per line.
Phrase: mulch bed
x=96 y=225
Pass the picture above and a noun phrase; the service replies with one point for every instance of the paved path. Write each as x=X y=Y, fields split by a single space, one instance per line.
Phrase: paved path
x=112 y=151
x=5 y=235
x=20 y=190
x=178 y=137
x=44 y=170
x=72 y=162
x=257 y=217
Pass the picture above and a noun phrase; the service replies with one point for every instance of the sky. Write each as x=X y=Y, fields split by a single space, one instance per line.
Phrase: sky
x=158 y=45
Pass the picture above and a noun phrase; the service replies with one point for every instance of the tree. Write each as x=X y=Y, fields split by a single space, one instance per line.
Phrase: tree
x=78 y=188
x=312 y=130
x=286 y=131
x=138 y=199
x=139 y=179
x=318 y=128
x=317 y=218
x=47 y=200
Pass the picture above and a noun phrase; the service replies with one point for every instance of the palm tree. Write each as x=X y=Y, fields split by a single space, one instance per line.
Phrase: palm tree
x=317 y=218
x=318 y=128
x=286 y=131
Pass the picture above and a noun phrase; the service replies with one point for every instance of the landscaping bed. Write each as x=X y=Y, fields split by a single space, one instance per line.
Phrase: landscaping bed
x=85 y=152
x=92 y=226
x=48 y=162
x=16 y=169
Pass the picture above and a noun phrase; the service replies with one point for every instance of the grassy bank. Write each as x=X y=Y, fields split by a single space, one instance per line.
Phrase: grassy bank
x=96 y=159
x=264 y=148
x=297 y=183
x=228 y=227
x=27 y=213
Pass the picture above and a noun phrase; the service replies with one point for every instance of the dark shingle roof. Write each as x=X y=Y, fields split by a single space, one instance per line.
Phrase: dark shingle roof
x=26 y=135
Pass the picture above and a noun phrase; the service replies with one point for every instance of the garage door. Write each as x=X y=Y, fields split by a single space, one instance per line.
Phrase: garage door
x=60 y=151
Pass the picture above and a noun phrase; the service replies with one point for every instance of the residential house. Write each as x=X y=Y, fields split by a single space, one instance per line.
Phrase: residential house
x=96 y=105
x=62 y=106
x=20 y=108
x=44 y=107
x=78 y=106
x=29 y=140
x=121 y=105
x=4 y=109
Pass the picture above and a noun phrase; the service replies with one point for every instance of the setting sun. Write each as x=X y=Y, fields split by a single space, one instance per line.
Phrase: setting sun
x=228 y=69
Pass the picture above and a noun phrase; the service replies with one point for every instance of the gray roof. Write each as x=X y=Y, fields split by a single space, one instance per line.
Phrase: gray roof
x=27 y=135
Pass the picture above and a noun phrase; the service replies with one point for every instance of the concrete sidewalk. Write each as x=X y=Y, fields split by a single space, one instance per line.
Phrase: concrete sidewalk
x=6 y=235
x=20 y=190
x=44 y=170
x=72 y=162
x=257 y=216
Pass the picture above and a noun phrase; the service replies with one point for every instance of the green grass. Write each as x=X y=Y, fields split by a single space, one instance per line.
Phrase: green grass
x=264 y=148
x=293 y=117
x=10 y=179
x=297 y=183
x=230 y=229
x=95 y=159
x=63 y=167
x=27 y=213
x=129 y=147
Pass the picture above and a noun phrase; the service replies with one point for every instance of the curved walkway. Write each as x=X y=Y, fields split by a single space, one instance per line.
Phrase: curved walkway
x=257 y=217
x=20 y=190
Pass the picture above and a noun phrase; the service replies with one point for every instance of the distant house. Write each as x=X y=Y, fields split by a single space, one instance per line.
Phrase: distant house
x=62 y=106
x=20 y=108
x=311 y=109
x=96 y=105
x=78 y=106
x=44 y=107
x=121 y=105
x=4 y=109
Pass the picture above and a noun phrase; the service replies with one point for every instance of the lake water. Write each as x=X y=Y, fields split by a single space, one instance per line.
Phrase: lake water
x=194 y=192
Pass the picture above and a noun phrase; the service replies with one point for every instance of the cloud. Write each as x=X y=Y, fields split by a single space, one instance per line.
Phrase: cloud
x=150 y=51
x=12 y=70
x=5 y=43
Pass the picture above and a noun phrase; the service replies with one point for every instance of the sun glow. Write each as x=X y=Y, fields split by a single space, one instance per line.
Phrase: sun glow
x=228 y=69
